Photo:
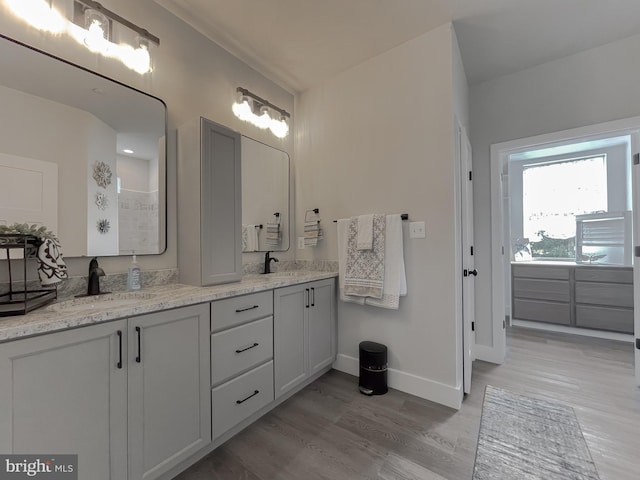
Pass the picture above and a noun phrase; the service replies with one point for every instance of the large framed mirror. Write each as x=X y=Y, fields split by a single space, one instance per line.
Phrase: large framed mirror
x=81 y=154
x=265 y=197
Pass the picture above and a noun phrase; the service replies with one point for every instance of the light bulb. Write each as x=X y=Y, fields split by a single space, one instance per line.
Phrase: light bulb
x=280 y=128
x=97 y=35
x=242 y=110
x=39 y=14
x=264 y=119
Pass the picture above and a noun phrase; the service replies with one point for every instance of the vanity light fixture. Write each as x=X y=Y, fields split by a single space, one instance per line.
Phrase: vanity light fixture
x=93 y=30
x=251 y=108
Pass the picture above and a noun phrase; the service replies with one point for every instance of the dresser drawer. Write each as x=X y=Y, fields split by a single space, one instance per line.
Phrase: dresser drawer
x=238 y=310
x=553 y=290
x=539 y=311
x=610 y=294
x=605 y=318
x=240 y=348
x=241 y=397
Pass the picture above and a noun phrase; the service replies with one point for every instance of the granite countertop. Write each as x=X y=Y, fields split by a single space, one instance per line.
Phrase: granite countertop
x=92 y=310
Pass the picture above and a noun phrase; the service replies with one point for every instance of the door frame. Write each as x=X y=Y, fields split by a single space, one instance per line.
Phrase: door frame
x=500 y=152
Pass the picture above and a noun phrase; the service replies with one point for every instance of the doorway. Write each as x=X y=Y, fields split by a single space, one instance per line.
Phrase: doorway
x=549 y=149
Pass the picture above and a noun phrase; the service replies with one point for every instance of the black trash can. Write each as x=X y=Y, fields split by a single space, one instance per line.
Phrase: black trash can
x=373 y=368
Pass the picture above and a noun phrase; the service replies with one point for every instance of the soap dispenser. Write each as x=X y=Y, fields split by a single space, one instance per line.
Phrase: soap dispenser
x=133 y=279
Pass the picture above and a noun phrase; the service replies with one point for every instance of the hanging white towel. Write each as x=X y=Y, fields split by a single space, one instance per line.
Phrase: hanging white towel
x=395 y=280
x=364 y=275
x=365 y=232
x=250 y=238
x=342 y=231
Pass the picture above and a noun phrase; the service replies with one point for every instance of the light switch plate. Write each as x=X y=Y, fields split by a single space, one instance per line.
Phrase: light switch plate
x=417 y=230
x=300 y=243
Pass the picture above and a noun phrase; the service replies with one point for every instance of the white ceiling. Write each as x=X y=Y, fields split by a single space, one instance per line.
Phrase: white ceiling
x=298 y=43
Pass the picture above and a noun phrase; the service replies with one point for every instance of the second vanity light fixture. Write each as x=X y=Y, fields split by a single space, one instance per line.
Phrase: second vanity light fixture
x=90 y=24
x=259 y=112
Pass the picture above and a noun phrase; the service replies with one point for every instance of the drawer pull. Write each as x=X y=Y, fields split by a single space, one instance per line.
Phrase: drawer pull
x=139 y=356
x=240 y=310
x=245 y=399
x=248 y=348
x=119 y=365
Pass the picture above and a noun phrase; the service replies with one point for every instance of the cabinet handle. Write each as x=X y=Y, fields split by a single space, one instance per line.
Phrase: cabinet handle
x=119 y=364
x=240 y=310
x=245 y=399
x=247 y=348
x=307 y=293
x=313 y=297
x=139 y=356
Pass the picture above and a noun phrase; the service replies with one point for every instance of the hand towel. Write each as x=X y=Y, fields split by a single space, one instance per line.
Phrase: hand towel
x=250 y=238
x=51 y=267
x=365 y=232
x=364 y=276
x=342 y=231
x=395 y=279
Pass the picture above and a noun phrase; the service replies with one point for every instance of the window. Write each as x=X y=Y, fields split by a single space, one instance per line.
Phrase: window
x=553 y=194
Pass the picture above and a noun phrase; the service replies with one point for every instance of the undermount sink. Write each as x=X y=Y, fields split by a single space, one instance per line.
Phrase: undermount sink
x=102 y=302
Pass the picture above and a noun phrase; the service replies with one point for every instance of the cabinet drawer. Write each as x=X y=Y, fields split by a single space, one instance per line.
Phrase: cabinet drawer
x=541 y=271
x=238 y=349
x=237 y=310
x=603 y=274
x=554 y=290
x=603 y=318
x=241 y=397
x=611 y=294
x=542 y=311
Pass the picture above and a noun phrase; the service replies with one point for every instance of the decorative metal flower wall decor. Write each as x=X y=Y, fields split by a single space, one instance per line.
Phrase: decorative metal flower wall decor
x=102 y=200
x=102 y=174
x=103 y=226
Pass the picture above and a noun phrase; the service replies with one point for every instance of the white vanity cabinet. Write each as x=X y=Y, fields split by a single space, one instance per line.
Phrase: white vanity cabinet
x=130 y=397
x=209 y=204
x=241 y=358
x=67 y=393
x=304 y=332
x=169 y=411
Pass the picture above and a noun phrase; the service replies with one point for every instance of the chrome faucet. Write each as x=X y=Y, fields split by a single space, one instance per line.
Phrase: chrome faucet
x=95 y=272
x=267 y=262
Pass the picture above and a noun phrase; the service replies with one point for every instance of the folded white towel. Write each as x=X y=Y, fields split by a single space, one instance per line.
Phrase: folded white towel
x=365 y=232
x=342 y=232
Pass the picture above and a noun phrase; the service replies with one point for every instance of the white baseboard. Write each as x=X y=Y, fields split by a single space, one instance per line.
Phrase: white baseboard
x=408 y=383
x=622 y=337
x=487 y=354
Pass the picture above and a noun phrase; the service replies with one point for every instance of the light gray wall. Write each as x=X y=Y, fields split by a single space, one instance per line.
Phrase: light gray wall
x=379 y=138
x=193 y=75
x=591 y=87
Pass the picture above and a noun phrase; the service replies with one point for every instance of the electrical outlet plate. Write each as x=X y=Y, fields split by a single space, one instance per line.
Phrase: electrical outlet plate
x=300 y=243
x=417 y=230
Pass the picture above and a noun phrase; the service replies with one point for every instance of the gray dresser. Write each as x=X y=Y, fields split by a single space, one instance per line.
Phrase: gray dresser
x=598 y=297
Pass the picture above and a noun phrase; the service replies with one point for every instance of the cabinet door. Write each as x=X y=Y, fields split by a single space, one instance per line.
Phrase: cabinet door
x=321 y=337
x=290 y=306
x=66 y=393
x=221 y=204
x=169 y=389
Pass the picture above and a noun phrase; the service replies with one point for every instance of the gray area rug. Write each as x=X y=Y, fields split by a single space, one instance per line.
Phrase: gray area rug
x=522 y=438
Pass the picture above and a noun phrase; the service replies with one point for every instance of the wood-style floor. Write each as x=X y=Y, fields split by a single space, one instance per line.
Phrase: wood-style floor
x=331 y=431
